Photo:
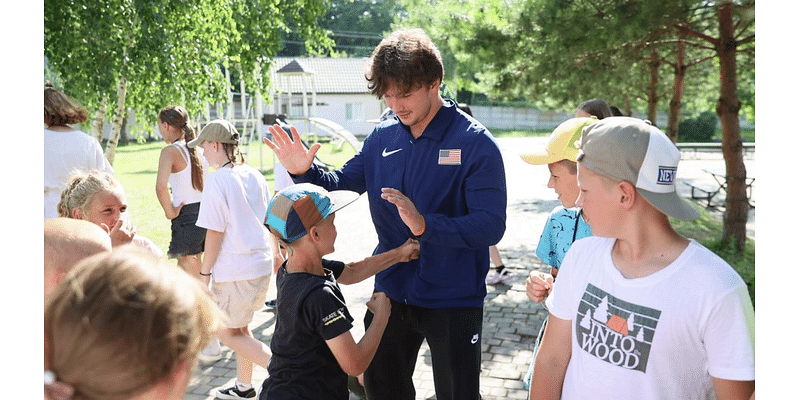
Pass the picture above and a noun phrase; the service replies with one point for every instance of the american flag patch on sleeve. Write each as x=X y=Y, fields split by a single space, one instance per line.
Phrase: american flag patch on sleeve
x=450 y=157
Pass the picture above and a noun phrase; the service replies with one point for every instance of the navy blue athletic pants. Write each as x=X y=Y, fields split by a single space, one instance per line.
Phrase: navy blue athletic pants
x=454 y=339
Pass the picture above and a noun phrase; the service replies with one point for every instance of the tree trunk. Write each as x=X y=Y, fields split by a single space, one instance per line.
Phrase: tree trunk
x=628 y=111
x=677 y=92
x=99 y=116
x=652 y=96
x=119 y=115
x=736 y=204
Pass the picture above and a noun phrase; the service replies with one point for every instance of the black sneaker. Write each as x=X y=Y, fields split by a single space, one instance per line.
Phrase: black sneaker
x=234 y=394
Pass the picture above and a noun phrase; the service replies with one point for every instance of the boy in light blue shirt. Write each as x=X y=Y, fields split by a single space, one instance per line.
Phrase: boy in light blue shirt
x=565 y=224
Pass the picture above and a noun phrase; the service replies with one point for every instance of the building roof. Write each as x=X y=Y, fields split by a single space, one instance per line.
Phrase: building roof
x=331 y=75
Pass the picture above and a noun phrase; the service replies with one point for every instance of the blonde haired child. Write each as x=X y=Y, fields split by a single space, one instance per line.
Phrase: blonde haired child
x=239 y=250
x=123 y=325
x=98 y=197
x=314 y=351
x=565 y=224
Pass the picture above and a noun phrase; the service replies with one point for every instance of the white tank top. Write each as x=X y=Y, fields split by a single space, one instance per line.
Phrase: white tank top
x=181 y=181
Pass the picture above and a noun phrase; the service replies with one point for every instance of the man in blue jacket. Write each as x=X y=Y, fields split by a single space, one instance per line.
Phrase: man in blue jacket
x=432 y=173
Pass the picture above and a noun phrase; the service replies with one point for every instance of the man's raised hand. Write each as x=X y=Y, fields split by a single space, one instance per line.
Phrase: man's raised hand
x=292 y=154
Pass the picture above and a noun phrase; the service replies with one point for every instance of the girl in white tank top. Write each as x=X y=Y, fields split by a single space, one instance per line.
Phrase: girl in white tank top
x=184 y=170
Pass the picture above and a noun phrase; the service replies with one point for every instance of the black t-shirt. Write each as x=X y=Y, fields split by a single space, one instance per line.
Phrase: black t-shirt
x=310 y=309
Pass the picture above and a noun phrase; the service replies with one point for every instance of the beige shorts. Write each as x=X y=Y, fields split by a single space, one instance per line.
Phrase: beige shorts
x=240 y=299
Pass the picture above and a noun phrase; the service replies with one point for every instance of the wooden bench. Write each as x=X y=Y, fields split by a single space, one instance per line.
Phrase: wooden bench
x=703 y=191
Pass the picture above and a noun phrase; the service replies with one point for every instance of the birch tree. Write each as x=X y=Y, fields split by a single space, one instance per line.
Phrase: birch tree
x=141 y=55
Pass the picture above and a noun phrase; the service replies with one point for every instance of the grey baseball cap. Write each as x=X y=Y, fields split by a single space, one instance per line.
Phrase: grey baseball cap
x=633 y=150
x=218 y=130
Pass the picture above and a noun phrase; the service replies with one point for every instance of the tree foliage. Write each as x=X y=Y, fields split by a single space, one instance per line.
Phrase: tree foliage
x=172 y=52
x=354 y=27
x=635 y=53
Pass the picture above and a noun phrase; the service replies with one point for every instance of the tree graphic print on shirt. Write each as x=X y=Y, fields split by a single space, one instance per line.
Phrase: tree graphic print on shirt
x=615 y=331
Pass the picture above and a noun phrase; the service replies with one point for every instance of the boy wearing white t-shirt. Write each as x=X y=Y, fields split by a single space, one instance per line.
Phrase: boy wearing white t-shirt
x=239 y=250
x=639 y=312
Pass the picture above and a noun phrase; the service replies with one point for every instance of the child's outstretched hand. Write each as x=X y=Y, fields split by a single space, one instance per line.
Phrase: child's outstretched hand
x=538 y=285
x=409 y=250
x=379 y=305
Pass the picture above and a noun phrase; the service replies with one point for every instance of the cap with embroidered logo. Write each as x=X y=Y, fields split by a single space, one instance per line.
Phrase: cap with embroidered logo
x=632 y=150
x=562 y=144
x=297 y=208
x=218 y=130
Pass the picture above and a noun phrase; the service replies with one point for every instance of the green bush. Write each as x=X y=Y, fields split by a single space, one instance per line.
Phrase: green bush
x=699 y=129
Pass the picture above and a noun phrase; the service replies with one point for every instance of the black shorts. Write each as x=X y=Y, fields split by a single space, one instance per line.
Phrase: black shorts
x=187 y=238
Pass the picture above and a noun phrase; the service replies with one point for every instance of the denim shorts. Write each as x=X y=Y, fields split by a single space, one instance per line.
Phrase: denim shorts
x=187 y=238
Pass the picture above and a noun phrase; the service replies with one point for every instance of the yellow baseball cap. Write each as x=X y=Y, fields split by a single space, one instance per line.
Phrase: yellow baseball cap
x=562 y=144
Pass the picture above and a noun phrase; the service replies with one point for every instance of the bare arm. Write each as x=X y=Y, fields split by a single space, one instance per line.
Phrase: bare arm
x=552 y=360
x=358 y=271
x=726 y=389
x=211 y=252
x=165 y=162
x=354 y=358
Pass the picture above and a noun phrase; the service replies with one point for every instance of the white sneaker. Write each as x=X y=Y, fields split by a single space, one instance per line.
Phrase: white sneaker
x=497 y=277
x=211 y=354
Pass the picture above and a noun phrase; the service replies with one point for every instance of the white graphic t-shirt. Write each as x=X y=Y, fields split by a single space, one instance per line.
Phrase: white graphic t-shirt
x=662 y=336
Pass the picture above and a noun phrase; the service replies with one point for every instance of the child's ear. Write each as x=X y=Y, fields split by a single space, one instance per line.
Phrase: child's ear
x=627 y=194
x=313 y=234
x=77 y=213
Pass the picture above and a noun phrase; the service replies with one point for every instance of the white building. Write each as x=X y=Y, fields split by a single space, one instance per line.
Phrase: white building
x=334 y=89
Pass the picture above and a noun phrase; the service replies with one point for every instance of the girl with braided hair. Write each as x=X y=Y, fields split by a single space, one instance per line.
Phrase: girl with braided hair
x=98 y=197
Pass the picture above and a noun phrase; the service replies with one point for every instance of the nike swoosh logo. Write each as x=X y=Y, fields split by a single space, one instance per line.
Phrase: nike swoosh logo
x=388 y=153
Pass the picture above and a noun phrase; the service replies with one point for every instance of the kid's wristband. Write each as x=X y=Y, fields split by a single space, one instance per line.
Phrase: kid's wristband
x=208 y=274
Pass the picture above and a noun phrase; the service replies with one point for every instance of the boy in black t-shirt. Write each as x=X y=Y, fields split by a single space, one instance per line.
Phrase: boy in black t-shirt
x=312 y=348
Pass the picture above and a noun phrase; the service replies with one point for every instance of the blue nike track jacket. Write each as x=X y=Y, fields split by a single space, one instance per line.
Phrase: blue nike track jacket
x=454 y=174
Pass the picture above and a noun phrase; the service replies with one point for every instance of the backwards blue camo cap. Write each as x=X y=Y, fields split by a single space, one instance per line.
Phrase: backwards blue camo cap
x=295 y=209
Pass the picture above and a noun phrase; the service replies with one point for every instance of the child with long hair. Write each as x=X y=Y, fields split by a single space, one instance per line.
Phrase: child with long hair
x=184 y=169
x=124 y=325
x=239 y=250
x=98 y=197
